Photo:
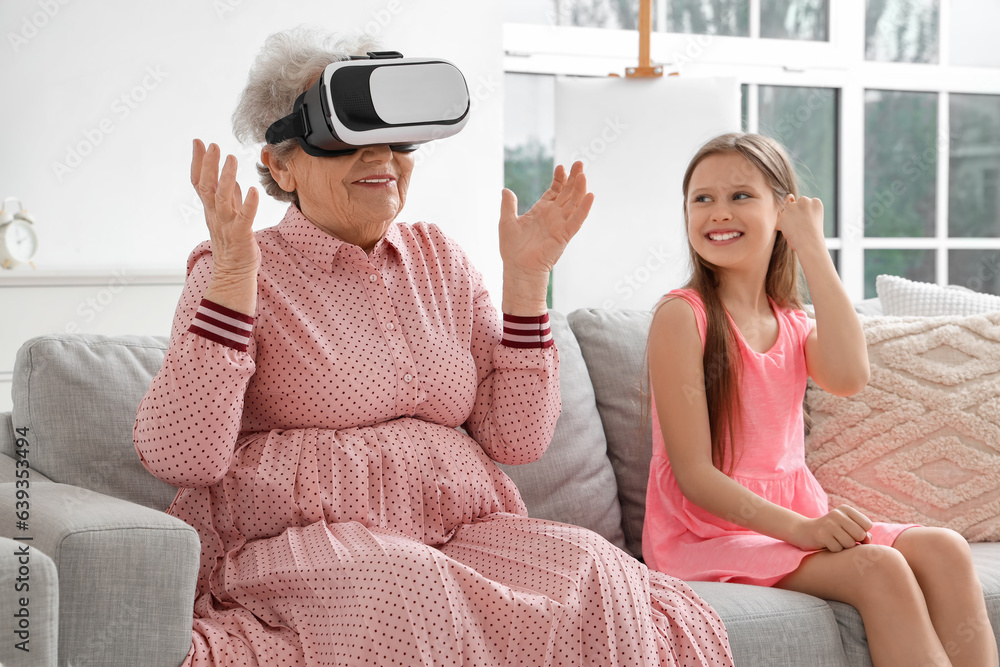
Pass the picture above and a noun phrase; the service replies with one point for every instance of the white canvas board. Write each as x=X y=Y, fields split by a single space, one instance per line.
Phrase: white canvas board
x=635 y=137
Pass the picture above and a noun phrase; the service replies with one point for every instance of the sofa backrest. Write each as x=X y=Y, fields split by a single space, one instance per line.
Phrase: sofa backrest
x=613 y=343
x=77 y=394
x=574 y=481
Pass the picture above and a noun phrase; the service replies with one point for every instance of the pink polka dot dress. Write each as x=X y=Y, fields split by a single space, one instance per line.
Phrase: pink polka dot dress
x=344 y=517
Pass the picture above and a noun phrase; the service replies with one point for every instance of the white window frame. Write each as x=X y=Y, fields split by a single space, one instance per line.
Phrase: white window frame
x=838 y=63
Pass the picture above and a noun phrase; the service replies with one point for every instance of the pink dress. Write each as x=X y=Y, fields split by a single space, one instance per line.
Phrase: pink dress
x=680 y=538
x=344 y=517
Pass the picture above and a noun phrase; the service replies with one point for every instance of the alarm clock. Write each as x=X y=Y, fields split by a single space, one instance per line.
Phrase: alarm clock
x=18 y=240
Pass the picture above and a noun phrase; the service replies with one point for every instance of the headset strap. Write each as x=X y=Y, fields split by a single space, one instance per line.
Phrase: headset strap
x=291 y=126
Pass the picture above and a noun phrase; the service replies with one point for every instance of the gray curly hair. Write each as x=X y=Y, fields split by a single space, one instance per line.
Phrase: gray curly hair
x=287 y=64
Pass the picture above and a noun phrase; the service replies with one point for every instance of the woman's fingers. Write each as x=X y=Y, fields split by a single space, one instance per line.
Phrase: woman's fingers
x=208 y=179
x=197 y=157
x=508 y=205
x=219 y=192
x=575 y=219
x=574 y=188
x=558 y=181
x=224 y=202
x=250 y=205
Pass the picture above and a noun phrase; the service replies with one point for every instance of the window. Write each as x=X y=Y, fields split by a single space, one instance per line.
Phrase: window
x=890 y=110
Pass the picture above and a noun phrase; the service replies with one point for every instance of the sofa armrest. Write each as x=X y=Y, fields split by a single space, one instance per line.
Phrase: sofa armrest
x=126 y=574
x=29 y=606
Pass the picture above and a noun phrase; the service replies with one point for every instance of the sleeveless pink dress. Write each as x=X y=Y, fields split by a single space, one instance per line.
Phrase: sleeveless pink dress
x=683 y=540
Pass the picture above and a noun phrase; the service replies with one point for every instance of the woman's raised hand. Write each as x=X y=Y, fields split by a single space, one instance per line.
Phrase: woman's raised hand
x=534 y=241
x=229 y=217
x=235 y=253
x=531 y=244
x=837 y=530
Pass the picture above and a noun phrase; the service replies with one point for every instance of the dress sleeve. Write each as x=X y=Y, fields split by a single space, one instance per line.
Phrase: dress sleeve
x=517 y=398
x=189 y=420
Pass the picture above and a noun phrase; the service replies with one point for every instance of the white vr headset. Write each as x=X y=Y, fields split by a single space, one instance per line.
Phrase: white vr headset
x=379 y=98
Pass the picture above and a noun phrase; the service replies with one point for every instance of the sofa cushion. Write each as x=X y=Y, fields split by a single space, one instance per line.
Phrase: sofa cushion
x=613 y=343
x=902 y=297
x=872 y=307
x=573 y=482
x=771 y=626
x=78 y=395
x=921 y=443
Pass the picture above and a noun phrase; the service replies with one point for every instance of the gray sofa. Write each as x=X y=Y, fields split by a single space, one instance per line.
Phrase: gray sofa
x=112 y=576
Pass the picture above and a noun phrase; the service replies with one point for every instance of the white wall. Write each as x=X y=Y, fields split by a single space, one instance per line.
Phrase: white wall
x=102 y=99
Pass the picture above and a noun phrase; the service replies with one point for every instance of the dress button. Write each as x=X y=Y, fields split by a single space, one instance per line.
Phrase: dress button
x=407 y=377
x=373 y=277
x=390 y=326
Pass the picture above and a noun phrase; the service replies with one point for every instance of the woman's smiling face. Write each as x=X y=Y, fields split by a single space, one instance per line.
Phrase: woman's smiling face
x=732 y=214
x=365 y=190
x=354 y=197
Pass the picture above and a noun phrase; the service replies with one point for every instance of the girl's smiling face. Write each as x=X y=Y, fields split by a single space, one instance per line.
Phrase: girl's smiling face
x=732 y=214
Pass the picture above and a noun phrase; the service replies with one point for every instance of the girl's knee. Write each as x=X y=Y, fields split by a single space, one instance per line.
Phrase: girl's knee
x=883 y=573
x=936 y=550
x=948 y=543
x=877 y=559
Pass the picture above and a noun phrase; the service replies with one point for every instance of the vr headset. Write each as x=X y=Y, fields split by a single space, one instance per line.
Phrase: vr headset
x=379 y=98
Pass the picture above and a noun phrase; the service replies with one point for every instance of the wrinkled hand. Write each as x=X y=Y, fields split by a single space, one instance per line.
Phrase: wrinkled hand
x=229 y=217
x=532 y=243
x=801 y=221
x=840 y=529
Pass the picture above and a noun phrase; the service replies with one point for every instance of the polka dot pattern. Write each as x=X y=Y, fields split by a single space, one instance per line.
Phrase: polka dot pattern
x=344 y=518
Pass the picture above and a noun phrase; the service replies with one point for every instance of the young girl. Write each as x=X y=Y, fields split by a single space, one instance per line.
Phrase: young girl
x=730 y=497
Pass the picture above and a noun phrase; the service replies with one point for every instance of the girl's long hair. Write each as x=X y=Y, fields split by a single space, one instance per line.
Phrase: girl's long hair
x=722 y=360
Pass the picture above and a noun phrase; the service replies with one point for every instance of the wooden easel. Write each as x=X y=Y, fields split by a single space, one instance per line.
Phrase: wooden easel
x=645 y=68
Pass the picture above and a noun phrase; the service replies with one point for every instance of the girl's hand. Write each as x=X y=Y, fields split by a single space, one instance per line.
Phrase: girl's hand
x=840 y=529
x=801 y=222
x=235 y=253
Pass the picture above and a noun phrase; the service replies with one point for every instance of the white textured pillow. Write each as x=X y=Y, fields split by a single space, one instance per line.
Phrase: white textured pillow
x=906 y=298
x=921 y=443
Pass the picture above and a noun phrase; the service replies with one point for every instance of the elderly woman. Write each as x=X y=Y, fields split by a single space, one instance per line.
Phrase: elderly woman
x=308 y=408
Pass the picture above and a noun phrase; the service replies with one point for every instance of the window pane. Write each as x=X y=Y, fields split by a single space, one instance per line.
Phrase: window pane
x=900 y=163
x=529 y=135
x=804 y=120
x=974 y=166
x=744 y=105
x=794 y=19
x=709 y=17
x=973 y=33
x=978 y=270
x=529 y=139
x=911 y=264
x=529 y=11
x=902 y=31
x=613 y=14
